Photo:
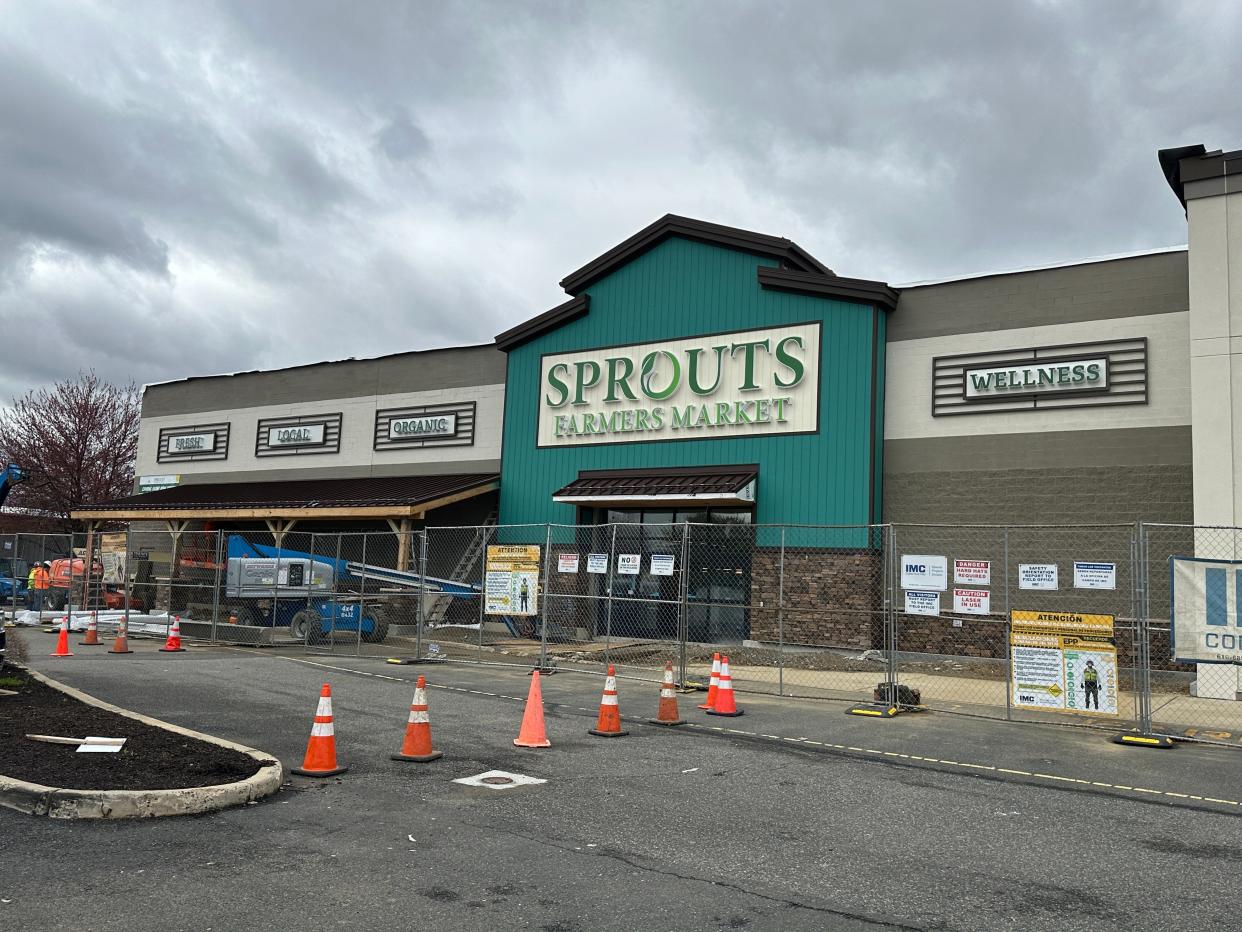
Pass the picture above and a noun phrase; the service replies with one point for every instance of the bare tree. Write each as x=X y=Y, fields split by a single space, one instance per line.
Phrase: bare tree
x=76 y=442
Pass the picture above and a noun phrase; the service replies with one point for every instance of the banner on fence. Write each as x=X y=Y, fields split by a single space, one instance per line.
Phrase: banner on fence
x=1207 y=626
x=1063 y=661
x=512 y=580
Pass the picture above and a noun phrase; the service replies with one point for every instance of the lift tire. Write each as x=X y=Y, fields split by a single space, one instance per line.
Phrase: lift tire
x=306 y=626
x=380 y=632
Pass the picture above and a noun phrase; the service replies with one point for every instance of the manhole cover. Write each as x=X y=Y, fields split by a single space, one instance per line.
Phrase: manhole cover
x=499 y=780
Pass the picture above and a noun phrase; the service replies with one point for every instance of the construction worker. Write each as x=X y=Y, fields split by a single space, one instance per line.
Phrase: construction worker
x=1091 y=685
x=30 y=579
x=42 y=582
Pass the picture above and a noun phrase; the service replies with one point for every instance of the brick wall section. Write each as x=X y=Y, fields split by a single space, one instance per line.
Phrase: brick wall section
x=833 y=598
x=1053 y=495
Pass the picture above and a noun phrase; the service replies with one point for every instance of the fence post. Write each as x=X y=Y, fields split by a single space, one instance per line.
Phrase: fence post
x=420 y=608
x=612 y=555
x=780 y=622
x=1142 y=634
x=13 y=572
x=890 y=625
x=220 y=557
x=543 y=606
x=683 y=609
x=485 y=534
x=1008 y=634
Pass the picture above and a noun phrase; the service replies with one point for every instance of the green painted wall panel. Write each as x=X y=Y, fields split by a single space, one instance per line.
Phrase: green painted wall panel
x=680 y=289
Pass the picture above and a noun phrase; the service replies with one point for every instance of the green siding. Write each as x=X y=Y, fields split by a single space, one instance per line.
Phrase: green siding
x=683 y=288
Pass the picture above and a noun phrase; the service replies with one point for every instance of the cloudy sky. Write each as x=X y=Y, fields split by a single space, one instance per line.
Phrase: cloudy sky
x=198 y=187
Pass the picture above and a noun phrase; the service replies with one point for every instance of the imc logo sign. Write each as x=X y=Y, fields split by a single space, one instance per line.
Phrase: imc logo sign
x=924 y=572
x=1206 y=596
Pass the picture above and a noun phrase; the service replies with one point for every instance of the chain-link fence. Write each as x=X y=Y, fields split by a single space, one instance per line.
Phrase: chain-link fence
x=1065 y=624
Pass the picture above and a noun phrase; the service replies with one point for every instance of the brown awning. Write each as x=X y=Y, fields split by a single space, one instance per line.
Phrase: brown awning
x=370 y=497
x=690 y=485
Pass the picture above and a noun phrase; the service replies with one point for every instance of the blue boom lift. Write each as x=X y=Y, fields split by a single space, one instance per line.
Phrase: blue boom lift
x=301 y=590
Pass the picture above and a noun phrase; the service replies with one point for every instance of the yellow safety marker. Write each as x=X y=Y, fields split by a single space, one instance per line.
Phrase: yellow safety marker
x=1143 y=741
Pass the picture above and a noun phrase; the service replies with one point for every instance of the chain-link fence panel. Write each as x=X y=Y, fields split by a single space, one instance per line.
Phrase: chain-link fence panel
x=25 y=594
x=1192 y=700
x=1022 y=623
x=819 y=609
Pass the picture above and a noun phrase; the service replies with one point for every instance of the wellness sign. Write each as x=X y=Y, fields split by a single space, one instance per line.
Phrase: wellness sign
x=723 y=385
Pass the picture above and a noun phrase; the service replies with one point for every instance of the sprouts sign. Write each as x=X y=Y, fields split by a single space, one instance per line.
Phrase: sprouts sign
x=697 y=388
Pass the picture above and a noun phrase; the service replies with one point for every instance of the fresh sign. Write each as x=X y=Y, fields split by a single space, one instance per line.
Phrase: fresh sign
x=1045 y=376
x=415 y=428
x=727 y=385
x=192 y=443
x=298 y=435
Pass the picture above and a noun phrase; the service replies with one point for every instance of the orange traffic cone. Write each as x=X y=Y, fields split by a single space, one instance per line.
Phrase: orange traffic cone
x=417 y=744
x=668 y=714
x=121 y=644
x=609 y=724
x=92 y=632
x=725 y=704
x=714 y=685
x=533 y=734
x=62 y=640
x=320 y=759
x=173 y=644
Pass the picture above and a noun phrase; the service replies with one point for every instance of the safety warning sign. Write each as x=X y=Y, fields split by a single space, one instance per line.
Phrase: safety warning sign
x=512 y=580
x=1064 y=661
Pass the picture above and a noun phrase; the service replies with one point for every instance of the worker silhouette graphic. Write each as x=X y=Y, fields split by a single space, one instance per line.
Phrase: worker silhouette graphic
x=1091 y=685
x=524 y=596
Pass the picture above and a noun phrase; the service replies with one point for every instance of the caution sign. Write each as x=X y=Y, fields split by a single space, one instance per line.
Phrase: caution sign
x=1064 y=661
x=511 y=583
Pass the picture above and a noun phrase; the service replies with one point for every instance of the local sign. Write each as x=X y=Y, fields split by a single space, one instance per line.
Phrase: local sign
x=1037 y=378
x=296 y=435
x=191 y=443
x=415 y=428
x=724 y=385
x=155 y=483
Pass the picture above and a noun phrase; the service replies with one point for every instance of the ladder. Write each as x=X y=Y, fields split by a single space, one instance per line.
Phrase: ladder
x=467 y=567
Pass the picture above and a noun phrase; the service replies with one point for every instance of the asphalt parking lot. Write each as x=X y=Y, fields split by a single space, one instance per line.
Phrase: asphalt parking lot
x=798 y=818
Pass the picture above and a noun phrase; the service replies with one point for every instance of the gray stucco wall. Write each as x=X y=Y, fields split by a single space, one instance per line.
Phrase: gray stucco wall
x=388 y=375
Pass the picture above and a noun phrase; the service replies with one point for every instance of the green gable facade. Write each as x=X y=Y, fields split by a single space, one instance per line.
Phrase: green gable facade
x=694 y=346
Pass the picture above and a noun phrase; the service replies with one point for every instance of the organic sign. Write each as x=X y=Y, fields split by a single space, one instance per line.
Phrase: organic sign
x=296 y=435
x=724 y=385
x=1064 y=661
x=415 y=428
x=1042 y=377
x=511 y=580
x=191 y=443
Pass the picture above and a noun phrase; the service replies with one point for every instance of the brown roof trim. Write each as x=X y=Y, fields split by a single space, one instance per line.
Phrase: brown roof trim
x=548 y=320
x=752 y=468
x=860 y=290
x=790 y=253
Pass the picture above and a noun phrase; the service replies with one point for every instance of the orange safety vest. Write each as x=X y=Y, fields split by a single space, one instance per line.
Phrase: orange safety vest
x=43 y=579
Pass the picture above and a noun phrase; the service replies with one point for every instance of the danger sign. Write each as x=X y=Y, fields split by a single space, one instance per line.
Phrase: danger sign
x=972 y=572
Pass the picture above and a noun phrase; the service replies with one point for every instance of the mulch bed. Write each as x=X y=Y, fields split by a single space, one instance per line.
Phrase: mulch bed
x=152 y=758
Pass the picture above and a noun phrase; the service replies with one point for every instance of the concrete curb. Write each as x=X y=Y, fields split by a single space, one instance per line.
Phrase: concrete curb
x=57 y=803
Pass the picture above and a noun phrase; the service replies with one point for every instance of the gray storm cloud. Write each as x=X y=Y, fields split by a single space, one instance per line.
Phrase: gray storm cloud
x=199 y=188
